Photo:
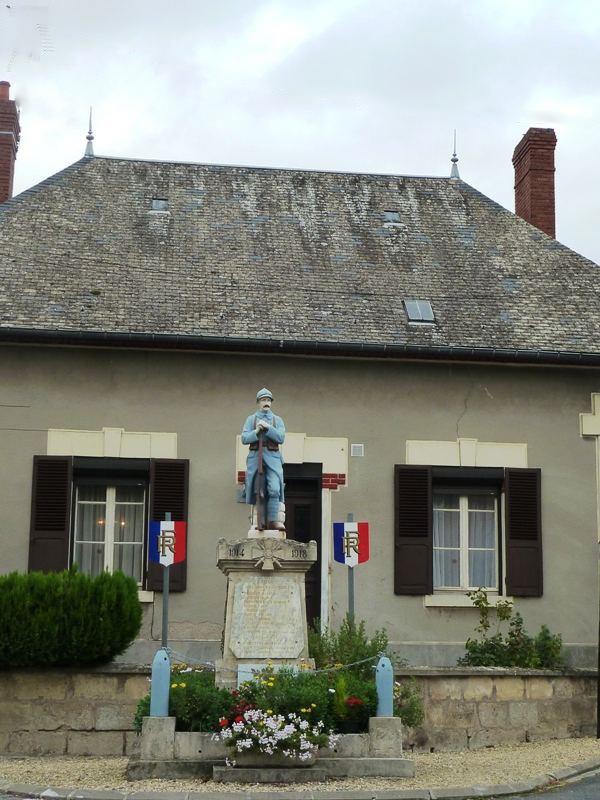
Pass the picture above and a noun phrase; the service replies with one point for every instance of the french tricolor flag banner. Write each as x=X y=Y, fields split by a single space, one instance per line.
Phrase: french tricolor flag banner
x=351 y=542
x=167 y=542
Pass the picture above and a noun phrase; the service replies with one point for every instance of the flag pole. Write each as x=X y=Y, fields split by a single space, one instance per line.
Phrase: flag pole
x=161 y=665
x=350 y=518
x=165 y=603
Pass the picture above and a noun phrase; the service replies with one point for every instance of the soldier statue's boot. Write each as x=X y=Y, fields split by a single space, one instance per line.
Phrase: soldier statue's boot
x=274 y=525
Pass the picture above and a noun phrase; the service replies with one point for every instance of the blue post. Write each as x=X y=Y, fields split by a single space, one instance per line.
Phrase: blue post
x=384 y=681
x=161 y=681
x=161 y=664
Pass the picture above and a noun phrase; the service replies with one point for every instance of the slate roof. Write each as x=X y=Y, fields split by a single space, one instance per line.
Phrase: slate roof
x=288 y=260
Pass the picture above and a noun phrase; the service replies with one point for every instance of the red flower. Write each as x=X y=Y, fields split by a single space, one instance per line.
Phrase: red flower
x=239 y=719
x=223 y=722
x=352 y=701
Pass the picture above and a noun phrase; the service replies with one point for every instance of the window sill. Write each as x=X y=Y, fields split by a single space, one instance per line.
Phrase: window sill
x=459 y=600
x=145 y=596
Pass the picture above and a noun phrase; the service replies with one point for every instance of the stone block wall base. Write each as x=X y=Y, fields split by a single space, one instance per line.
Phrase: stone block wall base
x=138 y=770
x=324 y=769
x=367 y=767
x=385 y=734
x=158 y=738
x=269 y=774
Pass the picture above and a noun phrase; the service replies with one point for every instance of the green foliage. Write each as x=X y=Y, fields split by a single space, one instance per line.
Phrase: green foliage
x=286 y=692
x=197 y=703
x=548 y=647
x=516 y=648
x=194 y=700
x=346 y=646
x=142 y=710
x=333 y=694
x=408 y=703
x=354 y=699
x=66 y=618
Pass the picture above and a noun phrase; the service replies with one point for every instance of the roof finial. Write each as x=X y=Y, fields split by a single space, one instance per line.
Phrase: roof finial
x=89 y=148
x=454 y=160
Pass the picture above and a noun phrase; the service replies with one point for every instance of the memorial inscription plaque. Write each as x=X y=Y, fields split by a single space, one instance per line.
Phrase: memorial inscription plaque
x=267 y=620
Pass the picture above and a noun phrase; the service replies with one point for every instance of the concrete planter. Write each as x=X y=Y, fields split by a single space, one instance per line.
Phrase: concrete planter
x=256 y=759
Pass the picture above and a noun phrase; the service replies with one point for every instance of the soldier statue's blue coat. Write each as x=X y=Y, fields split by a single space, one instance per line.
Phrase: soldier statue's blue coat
x=272 y=460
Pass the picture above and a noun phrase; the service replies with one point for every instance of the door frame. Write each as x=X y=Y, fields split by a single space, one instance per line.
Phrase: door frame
x=314 y=471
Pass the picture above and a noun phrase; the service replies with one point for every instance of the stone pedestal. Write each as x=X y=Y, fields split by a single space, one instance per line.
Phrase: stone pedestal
x=265 y=613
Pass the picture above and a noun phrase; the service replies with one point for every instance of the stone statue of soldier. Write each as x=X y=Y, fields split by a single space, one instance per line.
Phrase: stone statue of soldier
x=266 y=429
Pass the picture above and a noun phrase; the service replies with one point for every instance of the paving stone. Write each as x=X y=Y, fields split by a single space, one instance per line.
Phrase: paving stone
x=270 y=775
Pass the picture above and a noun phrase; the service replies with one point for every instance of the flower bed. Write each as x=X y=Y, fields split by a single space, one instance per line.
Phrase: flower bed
x=264 y=732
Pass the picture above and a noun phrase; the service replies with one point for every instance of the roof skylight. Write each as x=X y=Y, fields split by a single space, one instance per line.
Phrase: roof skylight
x=160 y=204
x=419 y=311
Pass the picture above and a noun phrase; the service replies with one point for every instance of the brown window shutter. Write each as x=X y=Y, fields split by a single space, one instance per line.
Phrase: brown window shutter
x=524 y=576
x=413 y=537
x=169 y=480
x=50 y=513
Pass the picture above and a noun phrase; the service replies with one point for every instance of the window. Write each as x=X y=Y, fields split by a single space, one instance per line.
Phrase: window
x=447 y=530
x=419 y=311
x=94 y=512
x=160 y=204
x=109 y=529
x=465 y=540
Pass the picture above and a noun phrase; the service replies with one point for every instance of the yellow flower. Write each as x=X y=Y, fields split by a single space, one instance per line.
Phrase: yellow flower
x=270 y=685
x=269 y=710
x=173 y=686
x=303 y=710
x=183 y=685
x=313 y=705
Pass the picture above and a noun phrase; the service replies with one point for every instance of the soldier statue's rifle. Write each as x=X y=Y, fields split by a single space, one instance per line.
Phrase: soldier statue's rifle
x=261 y=498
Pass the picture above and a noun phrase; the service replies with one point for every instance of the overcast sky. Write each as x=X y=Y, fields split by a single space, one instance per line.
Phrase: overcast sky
x=353 y=85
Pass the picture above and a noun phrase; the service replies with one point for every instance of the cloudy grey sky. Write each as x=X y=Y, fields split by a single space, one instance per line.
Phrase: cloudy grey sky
x=353 y=85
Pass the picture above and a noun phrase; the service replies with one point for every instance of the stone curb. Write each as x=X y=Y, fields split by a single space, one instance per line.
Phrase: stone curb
x=450 y=793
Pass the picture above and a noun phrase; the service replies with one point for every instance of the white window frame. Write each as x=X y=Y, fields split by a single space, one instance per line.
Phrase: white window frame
x=464 y=548
x=110 y=504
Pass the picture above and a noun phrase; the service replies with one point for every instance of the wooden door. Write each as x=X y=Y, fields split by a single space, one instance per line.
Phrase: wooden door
x=303 y=524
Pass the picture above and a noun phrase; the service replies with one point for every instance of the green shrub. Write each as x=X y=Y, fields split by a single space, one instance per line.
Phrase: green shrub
x=194 y=700
x=408 y=703
x=66 y=618
x=517 y=648
x=549 y=649
x=284 y=692
x=347 y=646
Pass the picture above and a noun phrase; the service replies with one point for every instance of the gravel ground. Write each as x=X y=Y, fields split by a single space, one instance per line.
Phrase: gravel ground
x=502 y=764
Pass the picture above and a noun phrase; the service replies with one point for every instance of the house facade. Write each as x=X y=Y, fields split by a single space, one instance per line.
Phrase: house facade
x=434 y=358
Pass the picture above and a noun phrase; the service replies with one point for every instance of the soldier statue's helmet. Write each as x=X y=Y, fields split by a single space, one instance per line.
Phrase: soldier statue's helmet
x=264 y=392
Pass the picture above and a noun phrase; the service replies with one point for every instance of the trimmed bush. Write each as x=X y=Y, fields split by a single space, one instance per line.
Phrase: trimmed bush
x=66 y=618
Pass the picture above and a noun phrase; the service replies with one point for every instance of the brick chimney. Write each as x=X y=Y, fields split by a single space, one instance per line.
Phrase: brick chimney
x=10 y=131
x=533 y=161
